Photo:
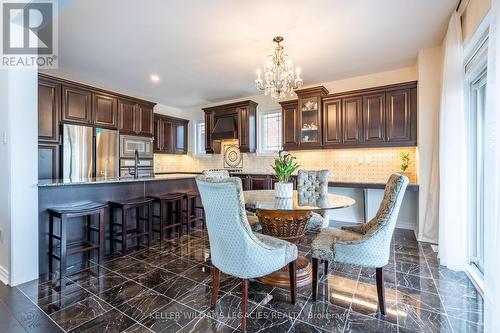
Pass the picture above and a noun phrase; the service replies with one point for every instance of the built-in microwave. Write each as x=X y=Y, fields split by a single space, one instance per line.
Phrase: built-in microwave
x=129 y=144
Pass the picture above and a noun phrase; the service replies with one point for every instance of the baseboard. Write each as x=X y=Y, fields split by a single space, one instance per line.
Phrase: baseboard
x=4 y=275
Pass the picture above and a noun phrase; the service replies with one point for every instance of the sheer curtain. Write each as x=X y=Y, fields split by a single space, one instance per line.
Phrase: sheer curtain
x=452 y=153
x=492 y=170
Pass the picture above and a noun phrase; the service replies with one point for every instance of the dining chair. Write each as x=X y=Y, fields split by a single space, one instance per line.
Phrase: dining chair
x=312 y=185
x=235 y=250
x=366 y=245
x=253 y=220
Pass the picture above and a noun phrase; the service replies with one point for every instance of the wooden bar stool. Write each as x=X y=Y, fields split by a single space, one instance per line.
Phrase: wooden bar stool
x=139 y=231
x=170 y=214
x=89 y=211
x=193 y=212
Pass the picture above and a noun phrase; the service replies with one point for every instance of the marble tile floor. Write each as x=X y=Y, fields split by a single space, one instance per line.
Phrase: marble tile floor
x=167 y=288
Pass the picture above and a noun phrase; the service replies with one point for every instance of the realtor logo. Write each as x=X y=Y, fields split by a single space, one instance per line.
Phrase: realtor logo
x=29 y=36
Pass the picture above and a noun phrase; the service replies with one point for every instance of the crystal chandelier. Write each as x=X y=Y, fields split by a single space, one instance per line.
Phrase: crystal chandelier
x=279 y=77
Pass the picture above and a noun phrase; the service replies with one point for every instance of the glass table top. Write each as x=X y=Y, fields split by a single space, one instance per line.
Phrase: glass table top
x=265 y=199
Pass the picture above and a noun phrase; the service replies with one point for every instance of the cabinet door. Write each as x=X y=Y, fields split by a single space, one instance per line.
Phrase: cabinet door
x=167 y=137
x=104 y=110
x=310 y=121
x=181 y=138
x=398 y=118
x=374 y=118
x=127 y=116
x=49 y=95
x=352 y=120
x=332 y=132
x=157 y=140
x=145 y=120
x=76 y=105
x=260 y=182
x=289 y=126
x=48 y=161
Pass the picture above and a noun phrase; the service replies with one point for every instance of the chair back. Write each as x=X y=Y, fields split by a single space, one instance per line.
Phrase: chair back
x=231 y=238
x=312 y=183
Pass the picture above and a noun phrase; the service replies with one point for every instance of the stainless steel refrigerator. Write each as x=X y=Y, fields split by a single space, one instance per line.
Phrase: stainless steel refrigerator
x=89 y=152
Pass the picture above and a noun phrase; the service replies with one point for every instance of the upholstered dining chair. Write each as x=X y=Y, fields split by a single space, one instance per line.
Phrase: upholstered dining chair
x=314 y=185
x=366 y=245
x=234 y=248
x=253 y=220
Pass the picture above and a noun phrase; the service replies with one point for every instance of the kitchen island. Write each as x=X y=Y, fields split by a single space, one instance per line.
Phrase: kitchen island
x=60 y=193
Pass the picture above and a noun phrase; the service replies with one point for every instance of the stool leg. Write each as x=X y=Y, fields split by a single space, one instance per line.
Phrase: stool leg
x=112 y=229
x=137 y=225
x=150 y=223
x=124 y=231
x=101 y=237
x=178 y=216
x=51 y=244
x=62 y=268
x=162 y=219
x=88 y=220
x=189 y=209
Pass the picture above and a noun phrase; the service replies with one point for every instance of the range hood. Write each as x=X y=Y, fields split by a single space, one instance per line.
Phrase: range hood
x=225 y=129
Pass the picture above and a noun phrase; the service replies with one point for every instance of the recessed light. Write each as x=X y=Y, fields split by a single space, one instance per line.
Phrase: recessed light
x=154 y=78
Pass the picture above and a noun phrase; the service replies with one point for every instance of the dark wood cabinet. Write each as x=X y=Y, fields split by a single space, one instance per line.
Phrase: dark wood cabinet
x=289 y=125
x=309 y=122
x=251 y=182
x=49 y=110
x=400 y=119
x=260 y=182
x=135 y=118
x=76 y=105
x=375 y=117
x=48 y=161
x=235 y=121
x=104 y=110
x=145 y=115
x=170 y=135
x=352 y=121
x=332 y=122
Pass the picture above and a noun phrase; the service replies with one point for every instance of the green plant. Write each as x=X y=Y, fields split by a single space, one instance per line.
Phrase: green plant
x=405 y=161
x=284 y=166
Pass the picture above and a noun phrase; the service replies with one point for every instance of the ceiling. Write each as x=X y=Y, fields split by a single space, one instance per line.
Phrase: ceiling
x=208 y=51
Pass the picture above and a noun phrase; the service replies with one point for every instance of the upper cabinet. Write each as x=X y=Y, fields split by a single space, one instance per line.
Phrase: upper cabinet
x=376 y=117
x=170 y=135
x=76 y=104
x=236 y=121
x=135 y=118
x=104 y=110
x=49 y=110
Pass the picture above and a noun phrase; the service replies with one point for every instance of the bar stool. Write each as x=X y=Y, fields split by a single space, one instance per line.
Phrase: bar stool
x=87 y=210
x=192 y=208
x=125 y=233
x=170 y=216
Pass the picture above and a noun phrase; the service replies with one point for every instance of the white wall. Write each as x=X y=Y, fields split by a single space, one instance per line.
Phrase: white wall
x=429 y=92
x=19 y=191
x=4 y=182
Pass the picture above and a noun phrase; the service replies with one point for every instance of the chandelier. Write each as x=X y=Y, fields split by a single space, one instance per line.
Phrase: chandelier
x=280 y=79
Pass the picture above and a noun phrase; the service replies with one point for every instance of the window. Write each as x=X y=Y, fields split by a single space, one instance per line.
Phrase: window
x=269 y=132
x=200 y=137
x=476 y=84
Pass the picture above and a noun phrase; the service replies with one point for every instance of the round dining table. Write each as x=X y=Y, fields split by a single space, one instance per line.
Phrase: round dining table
x=287 y=219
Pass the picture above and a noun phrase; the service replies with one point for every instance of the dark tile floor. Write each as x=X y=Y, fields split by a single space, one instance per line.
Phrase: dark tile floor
x=167 y=289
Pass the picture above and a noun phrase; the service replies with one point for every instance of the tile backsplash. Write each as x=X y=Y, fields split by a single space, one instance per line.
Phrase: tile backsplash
x=357 y=165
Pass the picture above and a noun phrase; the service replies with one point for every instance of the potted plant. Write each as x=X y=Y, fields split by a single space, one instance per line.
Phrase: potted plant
x=405 y=163
x=283 y=168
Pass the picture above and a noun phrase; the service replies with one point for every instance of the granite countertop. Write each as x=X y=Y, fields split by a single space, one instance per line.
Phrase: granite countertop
x=103 y=180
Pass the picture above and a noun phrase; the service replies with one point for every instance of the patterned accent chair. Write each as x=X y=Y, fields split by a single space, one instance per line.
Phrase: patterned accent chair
x=253 y=220
x=234 y=248
x=312 y=185
x=366 y=245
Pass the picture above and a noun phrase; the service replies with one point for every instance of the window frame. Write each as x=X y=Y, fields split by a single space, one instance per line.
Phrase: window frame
x=197 y=151
x=260 y=132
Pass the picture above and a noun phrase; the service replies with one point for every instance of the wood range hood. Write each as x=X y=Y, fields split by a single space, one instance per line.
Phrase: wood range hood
x=235 y=121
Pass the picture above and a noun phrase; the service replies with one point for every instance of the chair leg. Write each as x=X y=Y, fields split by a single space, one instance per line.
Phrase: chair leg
x=244 y=296
x=380 y=289
x=293 y=280
x=315 y=279
x=326 y=268
x=215 y=286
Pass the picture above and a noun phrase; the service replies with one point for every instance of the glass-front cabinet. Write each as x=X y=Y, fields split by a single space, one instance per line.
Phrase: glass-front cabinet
x=309 y=119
